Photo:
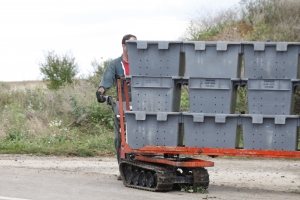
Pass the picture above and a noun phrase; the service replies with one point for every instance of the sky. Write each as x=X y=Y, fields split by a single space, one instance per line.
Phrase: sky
x=88 y=29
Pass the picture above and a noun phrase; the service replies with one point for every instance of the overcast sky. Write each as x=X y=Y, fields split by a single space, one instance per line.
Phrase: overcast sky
x=90 y=29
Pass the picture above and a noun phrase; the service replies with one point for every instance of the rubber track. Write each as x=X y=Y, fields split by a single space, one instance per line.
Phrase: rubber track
x=201 y=177
x=165 y=177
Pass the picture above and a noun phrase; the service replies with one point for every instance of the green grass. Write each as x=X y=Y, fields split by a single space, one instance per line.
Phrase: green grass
x=67 y=121
x=77 y=144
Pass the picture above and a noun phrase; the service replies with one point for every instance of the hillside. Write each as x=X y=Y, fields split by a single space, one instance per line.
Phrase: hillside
x=23 y=85
x=250 y=20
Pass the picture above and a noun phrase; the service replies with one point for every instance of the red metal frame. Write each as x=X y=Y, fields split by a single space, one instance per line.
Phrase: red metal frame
x=218 y=152
x=140 y=154
x=185 y=163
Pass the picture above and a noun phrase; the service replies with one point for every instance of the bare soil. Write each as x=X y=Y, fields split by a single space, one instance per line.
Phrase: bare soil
x=33 y=177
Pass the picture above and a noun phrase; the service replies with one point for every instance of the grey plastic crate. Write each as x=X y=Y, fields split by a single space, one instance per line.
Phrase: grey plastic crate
x=153 y=129
x=213 y=59
x=210 y=130
x=276 y=132
x=157 y=94
x=271 y=60
x=155 y=58
x=116 y=107
x=212 y=95
x=271 y=96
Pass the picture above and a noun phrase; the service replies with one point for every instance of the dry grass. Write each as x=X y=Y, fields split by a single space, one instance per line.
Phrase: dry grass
x=24 y=85
x=34 y=119
x=38 y=102
x=277 y=20
x=208 y=23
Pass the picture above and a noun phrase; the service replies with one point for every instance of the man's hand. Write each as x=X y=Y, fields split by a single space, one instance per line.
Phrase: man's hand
x=99 y=95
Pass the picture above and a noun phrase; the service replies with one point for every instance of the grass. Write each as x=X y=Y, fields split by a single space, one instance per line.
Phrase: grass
x=72 y=144
x=64 y=143
x=192 y=189
x=67 y=121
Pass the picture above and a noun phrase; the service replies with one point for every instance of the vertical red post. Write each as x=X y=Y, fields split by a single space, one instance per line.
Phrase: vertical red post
x=121 y=117
x=126 y=95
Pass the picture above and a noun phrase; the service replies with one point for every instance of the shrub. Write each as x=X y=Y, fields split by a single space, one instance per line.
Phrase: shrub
x=68 y=120
x=98 y=70
x=209 y=24
x=276 y=20
x=58 y=69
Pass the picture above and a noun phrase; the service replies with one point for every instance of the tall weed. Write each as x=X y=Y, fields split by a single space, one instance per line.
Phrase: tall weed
x=276 y=20
x=64 y=121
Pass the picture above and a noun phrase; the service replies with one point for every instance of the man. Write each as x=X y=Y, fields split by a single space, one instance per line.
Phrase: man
x=118 y=67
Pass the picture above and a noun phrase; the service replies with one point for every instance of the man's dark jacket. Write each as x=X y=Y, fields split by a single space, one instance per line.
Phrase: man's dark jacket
x=114 y=70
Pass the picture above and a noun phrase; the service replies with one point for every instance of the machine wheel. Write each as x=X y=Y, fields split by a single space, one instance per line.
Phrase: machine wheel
x=136 y=175
x=146 y=176
x=201 y=178
x=129 y=174
x=142 y=179
x=150 y=181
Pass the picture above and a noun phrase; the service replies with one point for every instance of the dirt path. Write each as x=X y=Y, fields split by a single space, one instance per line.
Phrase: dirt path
x=32 y=177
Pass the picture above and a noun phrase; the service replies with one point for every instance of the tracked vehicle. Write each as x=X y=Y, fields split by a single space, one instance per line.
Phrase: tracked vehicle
x=160 y=146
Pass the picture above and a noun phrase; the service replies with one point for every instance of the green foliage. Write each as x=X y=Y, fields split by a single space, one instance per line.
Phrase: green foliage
x=77 y=109
x=276 y=20
x=43 y=121
x=252 y=8
x=101 y=114
x=192 y=189
x=58 y=70
x=14 y=134
x=260 y=31
x=35 y=99
x=65 y=143
x=241 y=101
x=206 y=34
x=184 y=102
x=209 y=24
x=297 y=102
x=98 y=70
x=95 y=78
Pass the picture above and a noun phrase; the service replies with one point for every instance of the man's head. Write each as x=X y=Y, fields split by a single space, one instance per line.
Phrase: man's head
x=128 y=37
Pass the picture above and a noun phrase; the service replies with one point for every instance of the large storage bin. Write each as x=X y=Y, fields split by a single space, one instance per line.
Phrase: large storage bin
x=116 y=107
x=271 y=60
x=210 y=130
x=157 y=94
x=271 y=96
x=213 y=59
x=153 y=129
x=270 y=132
x=212 y=95
x=155 y=58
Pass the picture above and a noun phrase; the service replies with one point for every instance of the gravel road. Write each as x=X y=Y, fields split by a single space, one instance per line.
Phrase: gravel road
x=42 y=178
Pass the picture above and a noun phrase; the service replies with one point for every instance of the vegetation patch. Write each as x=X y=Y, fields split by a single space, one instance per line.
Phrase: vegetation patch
x=63 y=121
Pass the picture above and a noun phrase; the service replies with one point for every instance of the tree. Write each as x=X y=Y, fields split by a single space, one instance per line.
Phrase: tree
x=98 y=70
x=58 y=69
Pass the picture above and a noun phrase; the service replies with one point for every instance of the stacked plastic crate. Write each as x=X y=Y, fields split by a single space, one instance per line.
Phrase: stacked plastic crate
x=271 y=75
x=213 y=75
x=156 y=69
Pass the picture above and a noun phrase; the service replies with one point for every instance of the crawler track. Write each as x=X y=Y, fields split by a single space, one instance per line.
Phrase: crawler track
x=201 y=178
x=146 y=176
x=153 y=177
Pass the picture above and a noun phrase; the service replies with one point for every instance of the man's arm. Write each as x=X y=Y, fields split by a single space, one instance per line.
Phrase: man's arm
x=108 y=79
